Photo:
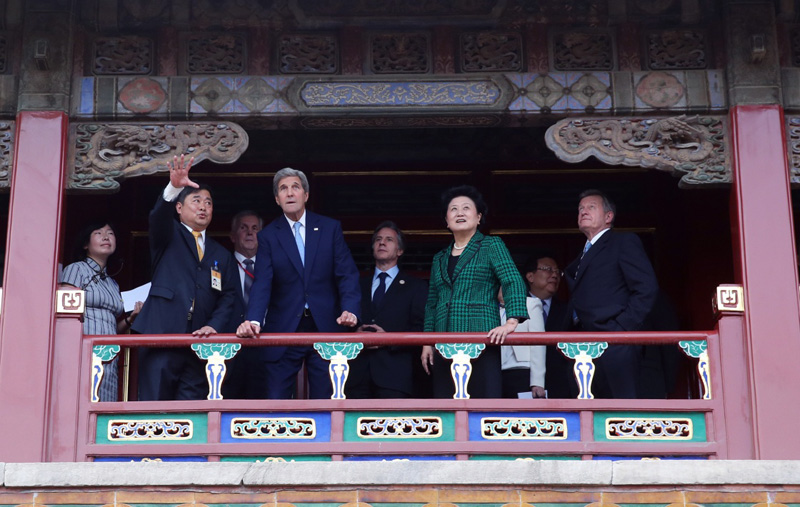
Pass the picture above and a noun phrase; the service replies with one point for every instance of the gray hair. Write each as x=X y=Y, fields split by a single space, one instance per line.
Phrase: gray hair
x=608 y=204
x=245 y=213
x=288 y=172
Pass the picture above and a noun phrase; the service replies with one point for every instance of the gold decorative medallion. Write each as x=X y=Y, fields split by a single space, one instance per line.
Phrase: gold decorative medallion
x=729 y=298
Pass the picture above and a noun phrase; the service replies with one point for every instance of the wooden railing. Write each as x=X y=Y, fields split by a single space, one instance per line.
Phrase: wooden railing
x=220 y=429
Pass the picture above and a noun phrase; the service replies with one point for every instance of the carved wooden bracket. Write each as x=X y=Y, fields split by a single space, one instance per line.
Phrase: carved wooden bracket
x=691 y=147
x=103 y=154
x=7 y=129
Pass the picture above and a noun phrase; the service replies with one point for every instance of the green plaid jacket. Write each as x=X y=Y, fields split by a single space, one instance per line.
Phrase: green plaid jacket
x=468 y=302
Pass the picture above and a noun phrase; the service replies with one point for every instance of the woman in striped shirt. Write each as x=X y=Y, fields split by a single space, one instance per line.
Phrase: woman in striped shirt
x=95 y=246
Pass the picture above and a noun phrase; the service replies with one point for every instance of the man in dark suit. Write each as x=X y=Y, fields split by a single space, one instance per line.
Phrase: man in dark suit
x=391 y=301
x=543 y=275
x=193 y=288
x=245 y=378
x=306 y=282
x=612 y=288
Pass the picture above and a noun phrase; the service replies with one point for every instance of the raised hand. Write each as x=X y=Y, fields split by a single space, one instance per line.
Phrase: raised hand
x=179 y=172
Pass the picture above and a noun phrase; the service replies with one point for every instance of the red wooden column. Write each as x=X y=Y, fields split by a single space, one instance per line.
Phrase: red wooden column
x=28 y=322
x=764 y=252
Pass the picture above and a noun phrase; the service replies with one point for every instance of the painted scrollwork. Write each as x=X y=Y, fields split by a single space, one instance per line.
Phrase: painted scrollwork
x=793 y=131
x=693 y=147
x=6 y=152
x=106 y=153
x=577 y=50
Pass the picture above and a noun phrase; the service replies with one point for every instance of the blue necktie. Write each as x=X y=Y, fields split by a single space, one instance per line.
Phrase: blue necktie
x=544 y=310
x=586 y=248
x=301 y=247
x=380 y=291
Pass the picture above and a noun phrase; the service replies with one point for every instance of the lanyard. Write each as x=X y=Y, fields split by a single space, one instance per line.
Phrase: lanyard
x=251 y=275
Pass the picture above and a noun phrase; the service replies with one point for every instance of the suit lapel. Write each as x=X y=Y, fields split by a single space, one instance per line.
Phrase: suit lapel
x=593 y=252
x=286 y=240
x=469 y=252
x=313 y=233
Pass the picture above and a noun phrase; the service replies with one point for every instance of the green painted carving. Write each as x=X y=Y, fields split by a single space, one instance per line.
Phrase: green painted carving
x=448 y=350
x=591 y=349
x=206 y=350
x=328 y=350
x=694 y=348
x=105 y=352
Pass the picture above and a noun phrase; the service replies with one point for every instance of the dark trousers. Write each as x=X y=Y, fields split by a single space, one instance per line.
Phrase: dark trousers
x=366 y=381
x=281 y=375
x=171 y=374
x=618 y=372
x=516 y=380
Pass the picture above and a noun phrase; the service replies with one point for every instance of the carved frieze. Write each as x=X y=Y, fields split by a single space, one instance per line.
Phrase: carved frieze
x=582 y=50
x=693 y=147
x=795 y=45
x=103 y=154
x=6 y=152
x=491 y=52
x=308 y=54
x=677 y=49
x=399 y=53
x=122 y=55
x=215 y=53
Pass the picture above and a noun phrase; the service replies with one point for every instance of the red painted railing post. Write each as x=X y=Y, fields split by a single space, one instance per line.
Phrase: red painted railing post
x=67 y=389
x=766 y=265
x=27 y=324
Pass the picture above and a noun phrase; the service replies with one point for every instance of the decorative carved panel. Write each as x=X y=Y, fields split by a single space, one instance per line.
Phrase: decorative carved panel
x=677 y=49
x=401 y=427
x=524 y=428
x=308 y=54
x=649 y=429
x=122 y=55
x=491 y=52
x=694 y=147
x=7 y=129
x=121 y=430
x=106 y=153
x=795 y=43
x=249 y=428
x=215 y=53
x=582 y=50
x=399 y=53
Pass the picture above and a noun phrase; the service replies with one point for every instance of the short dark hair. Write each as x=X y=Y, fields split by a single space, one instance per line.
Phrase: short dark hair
x=532 y=263
x=466 y=191
x=245 y=213
x=79 y=251
x=187 y=191
x=388 y=224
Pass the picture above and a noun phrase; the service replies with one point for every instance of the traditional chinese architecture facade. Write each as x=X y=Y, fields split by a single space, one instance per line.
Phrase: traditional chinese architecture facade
x=686 y=110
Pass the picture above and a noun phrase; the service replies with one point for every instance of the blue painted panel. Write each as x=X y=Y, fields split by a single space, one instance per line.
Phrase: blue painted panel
x=322 y=426
x=573 y=430
x=87 y=96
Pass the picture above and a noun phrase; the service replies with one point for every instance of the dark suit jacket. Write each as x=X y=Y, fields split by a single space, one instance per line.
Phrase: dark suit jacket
x=559 y=378
x=180 y=278
x=614 y=288
x=328 y=282
x=402 y=309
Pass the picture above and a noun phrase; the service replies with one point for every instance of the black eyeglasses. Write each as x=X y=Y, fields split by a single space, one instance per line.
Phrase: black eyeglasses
x=549 y=270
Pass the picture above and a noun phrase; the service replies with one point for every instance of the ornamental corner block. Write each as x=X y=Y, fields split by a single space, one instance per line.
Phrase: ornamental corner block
x=729 y=298
x=70 y=302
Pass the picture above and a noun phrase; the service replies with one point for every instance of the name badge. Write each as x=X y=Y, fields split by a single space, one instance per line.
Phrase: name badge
x=216 y=279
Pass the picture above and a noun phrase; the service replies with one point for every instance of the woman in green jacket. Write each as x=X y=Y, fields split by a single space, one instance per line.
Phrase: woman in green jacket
x=465 y=278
